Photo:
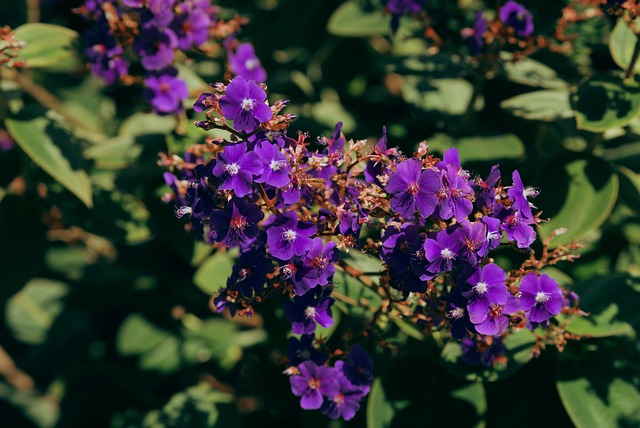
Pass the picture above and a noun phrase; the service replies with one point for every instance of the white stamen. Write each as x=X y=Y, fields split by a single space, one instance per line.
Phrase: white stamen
x=492 y=236
x=447 y=254
x=251 y=64
x=248 y=104
x=310 y=312
x=183 y=211
x=542 y=297
x=456 y=313
x=481 y=287
x=232 y=168
x=276 y=165
x=289 y=235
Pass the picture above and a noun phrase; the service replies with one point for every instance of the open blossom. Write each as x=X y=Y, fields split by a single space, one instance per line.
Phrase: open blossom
x=541 y=297
x=494 y=319
x=519 y=196
x=244 y=103
x=244 y=62
x=304 y=312
x=516 y=16
x=313 y=383
x=236 y=168
x=237 y=223
x=487 y=288
x=413 y=189
x=165 y=91
x=276 y=165
x=290 y=237
x=443 y=251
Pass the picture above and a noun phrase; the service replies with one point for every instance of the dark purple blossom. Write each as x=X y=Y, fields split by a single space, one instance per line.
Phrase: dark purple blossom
x=398 y=246
x=484 y=353
x=316 y=267
x=244 y=62
x=276 y=166
x=313 y=383
x=346 y=402
x=487 y=288
x=518 y=228
x=397 y=8
x=236 y=169
x=244 y=103
x=300 y=350
x=541 y=298
x=290 y=236
x=493 y=238
x=443 y=251
x=413 y=188
x=304 y=312
x=237 y=223
x=190 y=25
x=155 y=48
x=476 y=33
x=485 y=190
x=359 y=368
x=516 y=16
x=165 y=91
x=494 y=320
x=249 y=274
x=474 y=237
x=205 y=101
x=454 y=198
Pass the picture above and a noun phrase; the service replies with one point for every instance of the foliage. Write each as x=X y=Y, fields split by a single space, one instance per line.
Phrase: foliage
x=104 y=294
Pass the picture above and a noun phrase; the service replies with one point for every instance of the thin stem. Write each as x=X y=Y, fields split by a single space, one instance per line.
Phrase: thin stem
x=33 y=10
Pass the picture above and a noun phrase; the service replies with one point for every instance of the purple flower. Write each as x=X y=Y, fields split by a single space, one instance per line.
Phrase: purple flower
x=487 y=354
x=205 y=101
x=485 y=190
x=474 y=237
x=303 y=312
x=346 y=402
x=105 y=54
x=244 y=62
x=413 y=189
x=244 y=103
x=316 y=267
x=398 y=246
x=494 y=320
x=518 y=195
x=458 y=315
x=155 y=48
x=299 y=350
x=166 y=92
x=276 y=166
x=236 y=169
x=541 y=298
x=454 y=199
x=190 y=25
x=518 y=228
x=443 y=251
x=290 y=236
x=249 y=274
x=517 y=17
x=313 y=383
x=493 y=238
x=488 y=287
x=476 y=34
x=237 y=223
x=359 y=368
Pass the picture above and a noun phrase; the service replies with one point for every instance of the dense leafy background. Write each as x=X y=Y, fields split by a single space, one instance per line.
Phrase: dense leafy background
x=103 y=297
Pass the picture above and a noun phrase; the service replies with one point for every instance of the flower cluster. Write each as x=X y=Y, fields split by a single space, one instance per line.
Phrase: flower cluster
x=295 y=210
x=157 y=33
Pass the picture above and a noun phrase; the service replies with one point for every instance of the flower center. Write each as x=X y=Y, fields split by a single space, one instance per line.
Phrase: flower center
x=492 y=236
x=251 y=64
x=276 y=165
x=289 y=235
x=183 y=211
x=456 y=313
x=314 y=384
x=447 y=254
x=542 y=297
x=338 y=399
x=164 y=87
x=495 y=311
x=248 y=104
x=320 y=262
x=413 y=189
x=238 y=222
x=310 y=312
x=481 y=287
x=232 y=168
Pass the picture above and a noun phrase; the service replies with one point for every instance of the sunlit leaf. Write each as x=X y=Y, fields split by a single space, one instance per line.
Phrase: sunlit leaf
x=46 y=44
x=622 y=42
x=351 y=20
x=545 y=105
x=214 y=271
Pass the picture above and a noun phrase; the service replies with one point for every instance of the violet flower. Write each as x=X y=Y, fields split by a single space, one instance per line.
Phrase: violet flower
x=244 y=62
x=276 y=165
x=165 y=92
x=494 y=320
x=313 y=383
x=443 y=251
x=290 y=237
x=304 y=312
x=300 y=350
x=237 y=223
x=346 y=402
x=516 y=16
x=518 y=195
x=244 y=103
x=541 y=298
x=413 y=188
x=488 y=287
x=236 y=169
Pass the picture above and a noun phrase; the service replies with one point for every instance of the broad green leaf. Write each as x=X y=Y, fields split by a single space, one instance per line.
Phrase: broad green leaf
x=351 y=20
x=601 y=389
x=519 y=350
x=52 y=151
x=116 y=153
x=604 y=102
x=31 y=312
x=490 y=148
x=147 y=123
x=545 y=105
x=622 y=42
x=577 y=194
x=611 y=301
x=196 y=406
x=46 y=44
x=527 y=71
x=629 y=187
x=42 y=410
x=214 y=271
x=137 y=336
x=447 y=96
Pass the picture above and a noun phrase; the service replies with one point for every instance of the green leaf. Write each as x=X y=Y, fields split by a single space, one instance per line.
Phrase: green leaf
x=602 y=388
x=629 y=187
x=52 y=151
x=137 y=336
x=147 y=123
x=545 y=105
x=351 y=20
x=622 y=42
x=490 y=148
x=577 y=194
x=214 y=271
x=611 y=301
x=116 y=153
x=447 y=96
x=519 y=350
x=196 y=406
x=31 y=312
x=380 y=410
x=352 y=287
x=605 y=102
x=46 y=44
x=527 y=71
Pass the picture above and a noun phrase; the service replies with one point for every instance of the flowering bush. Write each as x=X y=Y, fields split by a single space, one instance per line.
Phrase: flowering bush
x=440 y=227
